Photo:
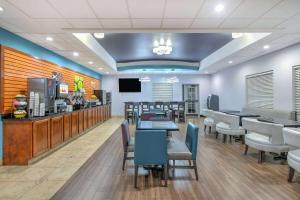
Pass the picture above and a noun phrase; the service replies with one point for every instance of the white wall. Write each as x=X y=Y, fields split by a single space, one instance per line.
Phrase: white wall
x=110 y=84
x=229 y=84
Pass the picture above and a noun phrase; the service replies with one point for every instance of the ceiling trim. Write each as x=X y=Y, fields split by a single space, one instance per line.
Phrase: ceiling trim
x=159 y=68
x=158 y=62
x=96 y=48
x=160 y=30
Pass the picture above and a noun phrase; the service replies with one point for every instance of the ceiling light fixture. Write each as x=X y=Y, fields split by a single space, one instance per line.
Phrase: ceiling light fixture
x=49 y=38
x=162 y=48
x=230 y=62
x=173 y=80
x=144 y=79
x=1 y=9
x=237 y=35
x=91 y=62
x=107 y=72
x=99 y=35
x=100 y=68
x=219 y=8
x=266 y=47
x=75 y=54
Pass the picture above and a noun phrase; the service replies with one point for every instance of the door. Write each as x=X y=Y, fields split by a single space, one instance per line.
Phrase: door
x=57 y=131
x=191 y=99
x=41 y=136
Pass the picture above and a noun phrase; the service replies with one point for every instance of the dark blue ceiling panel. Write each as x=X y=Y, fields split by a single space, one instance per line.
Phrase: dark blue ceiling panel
x=126 y=47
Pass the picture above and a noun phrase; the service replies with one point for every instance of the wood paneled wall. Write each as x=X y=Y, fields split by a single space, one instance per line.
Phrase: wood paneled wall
x=17 y=66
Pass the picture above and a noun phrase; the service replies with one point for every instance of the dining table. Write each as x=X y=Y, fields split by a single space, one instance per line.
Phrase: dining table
x=285 y=122
x=157 y=125
x=240 y=114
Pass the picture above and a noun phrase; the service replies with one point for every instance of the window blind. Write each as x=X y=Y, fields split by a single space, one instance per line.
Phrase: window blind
x=297 y=90
x=162 y=92
x=260 y=90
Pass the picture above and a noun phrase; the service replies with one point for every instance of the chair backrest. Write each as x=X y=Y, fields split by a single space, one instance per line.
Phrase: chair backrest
x=208 y=113
x=191 y=139
x=150 y=147
x=291 y=136
x=147 y=116
x=136 y=118
x=273 y=131
x=271 y=113
x=232 y=120
x=125 y=134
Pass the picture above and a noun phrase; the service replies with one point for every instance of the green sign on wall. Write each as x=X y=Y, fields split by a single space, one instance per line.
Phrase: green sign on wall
x=78 y=83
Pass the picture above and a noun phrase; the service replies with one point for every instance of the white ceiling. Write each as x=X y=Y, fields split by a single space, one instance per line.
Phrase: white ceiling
x=36 y=19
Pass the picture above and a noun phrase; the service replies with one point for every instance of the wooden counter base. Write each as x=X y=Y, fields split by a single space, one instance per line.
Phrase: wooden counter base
x=28 y=140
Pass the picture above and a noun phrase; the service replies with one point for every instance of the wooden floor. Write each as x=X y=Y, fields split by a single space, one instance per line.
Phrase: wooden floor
x=224 y=173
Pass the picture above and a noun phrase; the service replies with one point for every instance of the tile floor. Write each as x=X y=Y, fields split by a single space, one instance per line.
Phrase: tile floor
x=43 y=179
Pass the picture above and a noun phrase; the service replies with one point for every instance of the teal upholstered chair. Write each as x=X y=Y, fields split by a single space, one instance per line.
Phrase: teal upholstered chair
x=178 y=150
x=150 y=148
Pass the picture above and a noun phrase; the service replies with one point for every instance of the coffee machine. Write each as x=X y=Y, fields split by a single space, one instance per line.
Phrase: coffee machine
x=46 y=90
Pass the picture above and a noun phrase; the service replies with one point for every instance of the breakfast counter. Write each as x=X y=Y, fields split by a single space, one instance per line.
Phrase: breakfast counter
x=29 y=139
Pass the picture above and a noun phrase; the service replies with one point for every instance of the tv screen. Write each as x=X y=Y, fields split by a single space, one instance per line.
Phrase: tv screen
x=129 y=85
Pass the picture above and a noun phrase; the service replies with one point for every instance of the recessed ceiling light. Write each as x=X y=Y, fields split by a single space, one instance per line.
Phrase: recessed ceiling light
x=107 y=72
x=219 y=8
x=75 y=53
x=99 y=35
x=1 y=9
x=236 y=35
x=266 y=46
x=100 y=68
x=91 y=62
x=49 y=39
x=230 y=61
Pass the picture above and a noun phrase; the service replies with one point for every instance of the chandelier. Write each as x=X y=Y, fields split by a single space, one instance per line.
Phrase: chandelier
x=162 y=48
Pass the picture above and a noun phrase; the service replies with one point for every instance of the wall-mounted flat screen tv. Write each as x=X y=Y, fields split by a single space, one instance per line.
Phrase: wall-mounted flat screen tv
x=129 y=85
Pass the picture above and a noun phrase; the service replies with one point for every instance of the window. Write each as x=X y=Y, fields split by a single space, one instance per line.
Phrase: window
x=162 y=91
x=259 y=90
x=297 y=90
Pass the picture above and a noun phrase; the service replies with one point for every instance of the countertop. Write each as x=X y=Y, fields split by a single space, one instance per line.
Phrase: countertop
x=9 y=118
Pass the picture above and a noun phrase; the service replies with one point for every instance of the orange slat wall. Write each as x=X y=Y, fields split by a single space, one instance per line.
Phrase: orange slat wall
x=18 y=66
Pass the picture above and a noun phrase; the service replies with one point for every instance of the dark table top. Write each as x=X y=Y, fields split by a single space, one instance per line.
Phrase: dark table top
x=284 y=122
x=157 y=125
x=156 y=112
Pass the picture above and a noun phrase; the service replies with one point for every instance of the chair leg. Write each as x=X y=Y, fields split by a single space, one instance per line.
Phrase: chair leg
x=209 y=129
x=246 y=149
x=124 y=160
x=243 y=139
x=190 y=163
x=217 y=135
x=166 y=174
x=291 y=174
x=261 y=156
x=224 y=138
x=195 y=168
x=204 y=129
x=173 y=165
x=230 y=138
x=136 y=169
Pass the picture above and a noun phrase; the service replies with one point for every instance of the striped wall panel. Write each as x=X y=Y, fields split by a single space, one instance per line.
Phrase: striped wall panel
x=18 y=66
